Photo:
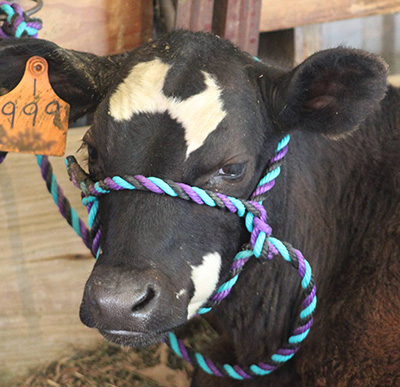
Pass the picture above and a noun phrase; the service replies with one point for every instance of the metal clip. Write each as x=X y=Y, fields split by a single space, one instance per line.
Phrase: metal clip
x=34 y=9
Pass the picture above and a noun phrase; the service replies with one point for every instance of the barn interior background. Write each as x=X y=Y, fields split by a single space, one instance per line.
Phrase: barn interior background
x=44 y=265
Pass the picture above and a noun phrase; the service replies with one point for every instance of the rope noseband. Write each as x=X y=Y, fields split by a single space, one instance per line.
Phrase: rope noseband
x=262 y=245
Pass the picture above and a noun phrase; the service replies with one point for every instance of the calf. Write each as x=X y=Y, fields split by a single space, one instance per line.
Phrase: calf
x=192 y=108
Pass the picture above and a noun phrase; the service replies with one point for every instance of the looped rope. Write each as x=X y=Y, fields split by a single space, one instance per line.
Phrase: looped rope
x=262 y=245
x=17 y=23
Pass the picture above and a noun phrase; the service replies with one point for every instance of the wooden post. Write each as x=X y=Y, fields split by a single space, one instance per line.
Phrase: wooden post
x=238 y=21
x=195 y=15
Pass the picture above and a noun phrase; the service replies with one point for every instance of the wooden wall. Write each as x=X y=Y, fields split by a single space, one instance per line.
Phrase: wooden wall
x=43 y=266
x=98 y=26
x=279 y=15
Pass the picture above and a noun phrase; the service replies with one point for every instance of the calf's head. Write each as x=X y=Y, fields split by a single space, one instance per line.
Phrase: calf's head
x=194 y=109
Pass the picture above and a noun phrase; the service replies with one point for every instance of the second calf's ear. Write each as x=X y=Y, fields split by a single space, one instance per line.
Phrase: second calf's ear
x=331 y=92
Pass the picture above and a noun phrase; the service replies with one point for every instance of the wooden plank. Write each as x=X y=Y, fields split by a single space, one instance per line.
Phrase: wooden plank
x=98 y=26
x=238 y=21
x=44 y=266
x=278 y=15
x=195 y=15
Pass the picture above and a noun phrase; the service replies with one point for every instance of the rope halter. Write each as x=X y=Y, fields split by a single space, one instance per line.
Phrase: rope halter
x=262 y=245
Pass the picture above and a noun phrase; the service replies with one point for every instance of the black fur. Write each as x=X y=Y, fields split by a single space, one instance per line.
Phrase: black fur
x=337 y=200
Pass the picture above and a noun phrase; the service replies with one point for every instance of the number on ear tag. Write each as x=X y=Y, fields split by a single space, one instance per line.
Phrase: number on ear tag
x=33 y=119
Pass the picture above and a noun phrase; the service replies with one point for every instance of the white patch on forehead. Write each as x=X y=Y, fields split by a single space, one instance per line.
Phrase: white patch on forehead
x=142 y=92
x=205 y=278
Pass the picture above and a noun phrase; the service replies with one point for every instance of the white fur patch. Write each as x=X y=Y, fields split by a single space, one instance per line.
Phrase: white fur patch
x=142 y=92
x=205 y=278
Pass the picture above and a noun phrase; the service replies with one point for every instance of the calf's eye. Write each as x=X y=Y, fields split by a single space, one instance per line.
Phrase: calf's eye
x=92 y=151
x=232 y=171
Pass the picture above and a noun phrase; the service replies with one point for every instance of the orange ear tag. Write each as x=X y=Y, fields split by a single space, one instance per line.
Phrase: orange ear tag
x=33 y=119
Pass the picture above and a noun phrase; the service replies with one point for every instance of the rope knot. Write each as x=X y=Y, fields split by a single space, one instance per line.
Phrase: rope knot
x=259 y=239
x=17 y=23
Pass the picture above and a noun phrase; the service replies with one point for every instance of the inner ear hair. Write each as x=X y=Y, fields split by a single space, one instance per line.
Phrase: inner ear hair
x=332 y=91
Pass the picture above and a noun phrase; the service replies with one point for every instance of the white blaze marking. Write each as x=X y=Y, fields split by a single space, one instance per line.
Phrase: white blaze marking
x=141 y=92
x=205 y=278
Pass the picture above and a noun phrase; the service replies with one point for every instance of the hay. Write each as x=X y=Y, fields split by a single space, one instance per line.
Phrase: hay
x=112 y=366
x=109 y=365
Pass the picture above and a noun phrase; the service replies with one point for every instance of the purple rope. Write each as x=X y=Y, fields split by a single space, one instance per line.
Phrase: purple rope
x=212 y=367
x=63 y=204
x=304 y=327
x=310 y=297
x=17 y=8
x=287 y=351
x=228 y=204
x=280 y=155
x=111 y=184
x=148 y=184
x=239 y=370
x=264 y=188
x=96 y=242
x=220 y=296
x=239 y=263
x=302 y=265
x=267 y=367
x=34 y=24
x=189 y=191
x=184 y=352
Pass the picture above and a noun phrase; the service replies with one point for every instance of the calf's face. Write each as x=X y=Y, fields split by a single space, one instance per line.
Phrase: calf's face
x=162 y=258
x=193 y=109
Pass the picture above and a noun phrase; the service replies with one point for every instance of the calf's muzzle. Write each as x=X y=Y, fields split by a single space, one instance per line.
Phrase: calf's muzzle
x=120 y=301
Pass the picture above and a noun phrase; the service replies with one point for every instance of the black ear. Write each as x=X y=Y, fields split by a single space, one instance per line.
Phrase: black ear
x=81 y=79
x=331 y=92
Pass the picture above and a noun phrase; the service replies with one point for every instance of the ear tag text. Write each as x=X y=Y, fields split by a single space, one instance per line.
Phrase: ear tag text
x=33 y=119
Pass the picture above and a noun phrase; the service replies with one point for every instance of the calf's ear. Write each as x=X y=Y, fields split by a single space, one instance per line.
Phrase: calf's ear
x=330 y=92
x=79 y=78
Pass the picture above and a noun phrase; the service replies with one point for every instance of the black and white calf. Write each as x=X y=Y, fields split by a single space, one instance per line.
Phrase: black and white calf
x=193 y=108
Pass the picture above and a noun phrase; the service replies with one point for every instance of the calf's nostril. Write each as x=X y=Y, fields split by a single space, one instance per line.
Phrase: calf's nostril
x=144 y=300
